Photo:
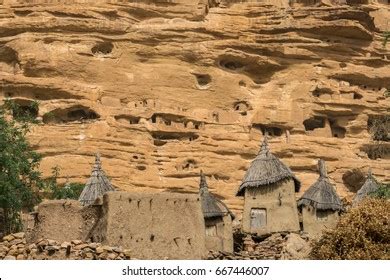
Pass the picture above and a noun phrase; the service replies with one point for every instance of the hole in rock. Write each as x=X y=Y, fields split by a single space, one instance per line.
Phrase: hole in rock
x=103 y=48
x=189 y=165
x=126 y=119
x=357 y=95
x=76 y=113
x=203 y=80
x=321 y=91
x=242 y=107
x=141 y=167
x=231 y=65
x=354 y=179
x=314 y=122
x=169 y=136
x=8 y=55
x=337 y=131
x=269 y=129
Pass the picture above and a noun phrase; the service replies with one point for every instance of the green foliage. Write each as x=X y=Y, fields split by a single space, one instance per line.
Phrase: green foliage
x=19 y=175
x=55 y=191
x=387 y=93
x=362 y=233
x=386 y=38
x=382 y=192
x=22 y=114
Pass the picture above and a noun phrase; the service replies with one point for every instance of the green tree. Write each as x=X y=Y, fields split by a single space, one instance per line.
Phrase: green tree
x=20 y=178
x=68 y=191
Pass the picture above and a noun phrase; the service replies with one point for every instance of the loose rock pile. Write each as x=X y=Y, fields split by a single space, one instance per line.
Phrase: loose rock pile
x=15 y=247
x=275 y=247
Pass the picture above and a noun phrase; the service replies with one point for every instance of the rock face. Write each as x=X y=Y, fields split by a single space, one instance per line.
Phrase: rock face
x=165 y=88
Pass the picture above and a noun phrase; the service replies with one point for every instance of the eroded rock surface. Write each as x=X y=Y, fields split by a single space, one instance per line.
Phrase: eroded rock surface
x=163 y=89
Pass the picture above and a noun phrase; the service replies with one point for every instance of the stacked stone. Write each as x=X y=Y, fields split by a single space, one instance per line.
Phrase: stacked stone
x=268 y=249
x=15 y=247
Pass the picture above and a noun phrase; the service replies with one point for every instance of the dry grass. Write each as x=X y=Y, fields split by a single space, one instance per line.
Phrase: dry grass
x=362 y=233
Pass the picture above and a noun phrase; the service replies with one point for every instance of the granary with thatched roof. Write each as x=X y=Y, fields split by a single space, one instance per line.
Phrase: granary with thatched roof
x=369 y=186
x=269 y=188
x=97 y=185
x=218 y=220
x=320 y=204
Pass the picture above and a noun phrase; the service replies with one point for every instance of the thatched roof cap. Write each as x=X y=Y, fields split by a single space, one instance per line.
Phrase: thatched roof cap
x=266 y=169
x=212 y=207
x=97 y=184
x=369 y=186
x=321 y=195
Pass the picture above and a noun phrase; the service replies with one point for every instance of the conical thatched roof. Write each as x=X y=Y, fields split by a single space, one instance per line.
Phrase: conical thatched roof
x=212 y=207
x=266 y=169
x=97 y=184
x=369 y=186
x=321 y=195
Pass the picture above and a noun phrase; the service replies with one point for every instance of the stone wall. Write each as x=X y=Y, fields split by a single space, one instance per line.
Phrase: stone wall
x=15 y=247
x=153 y=226
x=286 y=246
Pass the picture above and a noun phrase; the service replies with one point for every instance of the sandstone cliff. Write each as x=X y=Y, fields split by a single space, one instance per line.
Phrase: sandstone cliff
x=163 y=89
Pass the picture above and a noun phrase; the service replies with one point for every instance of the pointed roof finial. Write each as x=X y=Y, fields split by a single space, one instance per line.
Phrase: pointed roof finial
x=97 y=185
x=264 y=145
x=203 y=187
x=322 y=168
x=98 y=163
x=322 y=194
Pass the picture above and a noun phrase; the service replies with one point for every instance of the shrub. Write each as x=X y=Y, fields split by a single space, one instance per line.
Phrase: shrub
x=382 y=192
x=386 y=38
x=55 y=191
x=362 y=233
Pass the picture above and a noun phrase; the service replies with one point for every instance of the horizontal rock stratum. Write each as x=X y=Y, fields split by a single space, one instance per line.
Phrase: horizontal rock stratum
x=163 y=89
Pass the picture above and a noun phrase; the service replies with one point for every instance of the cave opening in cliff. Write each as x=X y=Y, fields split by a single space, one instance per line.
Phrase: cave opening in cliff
x=127 y=119
x=242 y=107
x=8 y=55
x=314 y=123
x=232 y=65
x=72 y=114
x=354 y=179
x=103 y=48
x=169 y=136
x=321 y=91
x=337 y=131
x=269 y=130
x=189 y=165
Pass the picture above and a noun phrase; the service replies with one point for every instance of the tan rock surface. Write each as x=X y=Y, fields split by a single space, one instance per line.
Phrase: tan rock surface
x=164 y=88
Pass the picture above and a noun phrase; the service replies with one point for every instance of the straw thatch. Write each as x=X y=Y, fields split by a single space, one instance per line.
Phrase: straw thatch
x=369 y=186
x=266 y=169
x=97 y=184
x=212 y=207
x=321 y=195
